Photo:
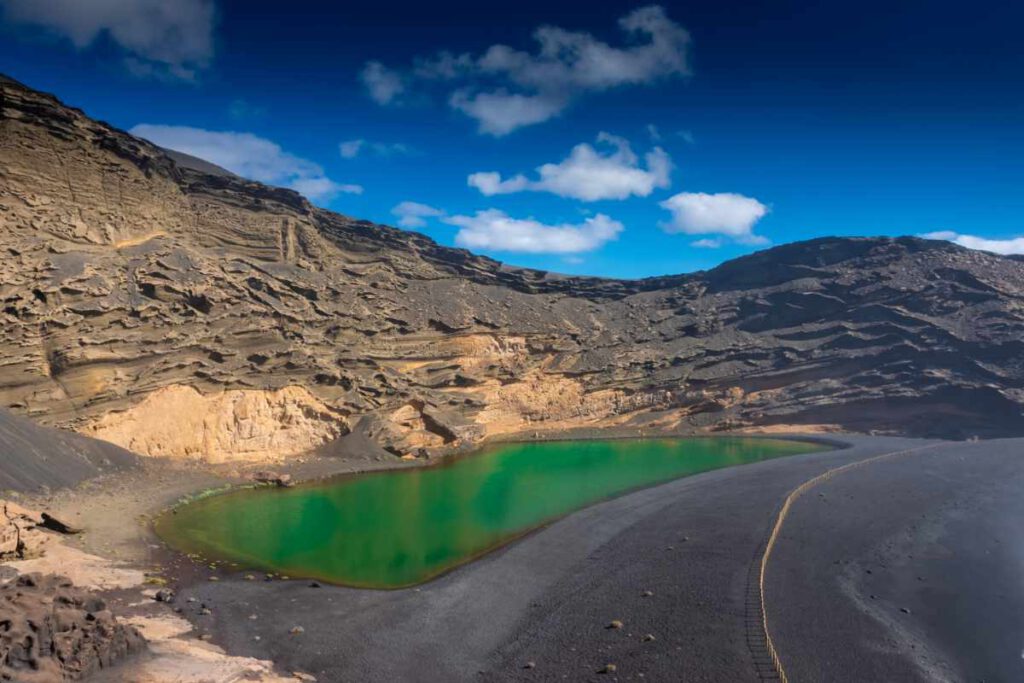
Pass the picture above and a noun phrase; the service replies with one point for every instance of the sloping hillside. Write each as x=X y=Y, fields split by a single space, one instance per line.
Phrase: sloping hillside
x=177 y=312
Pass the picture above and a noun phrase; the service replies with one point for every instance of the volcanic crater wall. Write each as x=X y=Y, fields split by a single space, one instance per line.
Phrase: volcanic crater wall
x=180 y=312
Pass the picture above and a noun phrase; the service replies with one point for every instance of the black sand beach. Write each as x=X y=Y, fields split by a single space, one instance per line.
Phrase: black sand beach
x=541 y=608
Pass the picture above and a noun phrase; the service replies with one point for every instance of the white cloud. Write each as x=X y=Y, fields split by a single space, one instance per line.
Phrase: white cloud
x=383 y=84
x=350 y=149
x=727 y=214
x=161 y=38
x=501 y=112
x=589 y=174
x=1013 y=245
x=413 y=214
x=497 y=231
x=707 y=243
x=249 y=156
x=505 y=88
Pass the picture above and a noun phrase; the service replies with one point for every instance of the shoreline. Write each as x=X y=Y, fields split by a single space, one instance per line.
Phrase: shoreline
x=509 y=605
x=117 y=511
x=201 y=561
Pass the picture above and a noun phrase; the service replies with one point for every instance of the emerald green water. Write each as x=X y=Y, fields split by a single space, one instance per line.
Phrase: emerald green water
x=391 y=529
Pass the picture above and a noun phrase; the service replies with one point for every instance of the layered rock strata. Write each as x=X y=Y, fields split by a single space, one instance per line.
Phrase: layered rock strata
x=186 y=312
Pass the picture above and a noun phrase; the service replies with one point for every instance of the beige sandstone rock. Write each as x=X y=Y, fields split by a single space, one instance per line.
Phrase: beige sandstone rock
x=180 y=422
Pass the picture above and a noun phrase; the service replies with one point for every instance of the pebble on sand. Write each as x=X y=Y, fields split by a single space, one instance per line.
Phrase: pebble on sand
x=296 y=630
x=615 y=623
x=608 y=669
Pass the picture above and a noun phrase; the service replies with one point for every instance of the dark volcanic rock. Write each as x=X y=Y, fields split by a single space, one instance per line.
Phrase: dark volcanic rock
x=179 y=312
x=52 y=631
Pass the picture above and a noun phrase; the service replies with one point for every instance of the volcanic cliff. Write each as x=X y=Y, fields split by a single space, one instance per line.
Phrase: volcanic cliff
x=173 y=309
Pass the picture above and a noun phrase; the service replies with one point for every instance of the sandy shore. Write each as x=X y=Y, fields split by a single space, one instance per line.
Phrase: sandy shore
x=548 y=599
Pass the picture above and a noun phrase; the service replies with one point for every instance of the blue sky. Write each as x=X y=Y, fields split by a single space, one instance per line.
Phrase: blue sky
x=710 y=128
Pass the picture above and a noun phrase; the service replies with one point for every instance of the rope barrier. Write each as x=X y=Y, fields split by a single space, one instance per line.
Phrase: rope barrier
x=774 y=536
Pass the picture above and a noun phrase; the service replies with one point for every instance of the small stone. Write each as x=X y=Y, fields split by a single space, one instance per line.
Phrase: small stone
x=164 y=595
x=297 y=630
x=205 y=611
x=646 y=594
x=250 y=577
x=904 y=610
x=214 y=578
x=205 y=636
x=253 y=617
x=615 y=623
x=608 y=669
x=298 y=675
x=530 y=665
x=314 y=584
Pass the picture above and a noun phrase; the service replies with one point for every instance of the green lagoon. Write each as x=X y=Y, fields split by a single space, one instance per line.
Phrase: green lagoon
x=393 y=529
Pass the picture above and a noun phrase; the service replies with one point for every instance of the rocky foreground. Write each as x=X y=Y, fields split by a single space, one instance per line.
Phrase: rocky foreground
x=191 y=313
x=53 y=631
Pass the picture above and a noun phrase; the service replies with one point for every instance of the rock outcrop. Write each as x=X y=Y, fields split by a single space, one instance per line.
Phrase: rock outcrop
x=22 y=534
x=235 y=424
x=186 y=312
x=53 y=631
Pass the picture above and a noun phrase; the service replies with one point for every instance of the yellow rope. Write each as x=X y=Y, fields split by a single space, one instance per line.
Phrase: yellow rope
x=783 y=512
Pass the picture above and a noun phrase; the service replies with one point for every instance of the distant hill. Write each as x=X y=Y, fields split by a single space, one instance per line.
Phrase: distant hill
x=177 y=309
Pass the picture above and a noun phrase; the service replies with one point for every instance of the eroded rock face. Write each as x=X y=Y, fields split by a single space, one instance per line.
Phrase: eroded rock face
x=178 y=421
x=51 y=631
x=131 y=283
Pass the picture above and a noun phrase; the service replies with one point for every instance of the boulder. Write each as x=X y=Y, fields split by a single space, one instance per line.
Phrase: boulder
x=269 y=477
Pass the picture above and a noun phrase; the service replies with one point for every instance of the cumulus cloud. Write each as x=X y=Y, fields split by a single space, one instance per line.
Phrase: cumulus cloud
x=162 y=39
x=497 y=231
x=504 y=88
x=414 y=214
x=1013 y=245
x=588 y=174
x=249 y=156
x=350 y=149
x=725 y=214
x=383 y=84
